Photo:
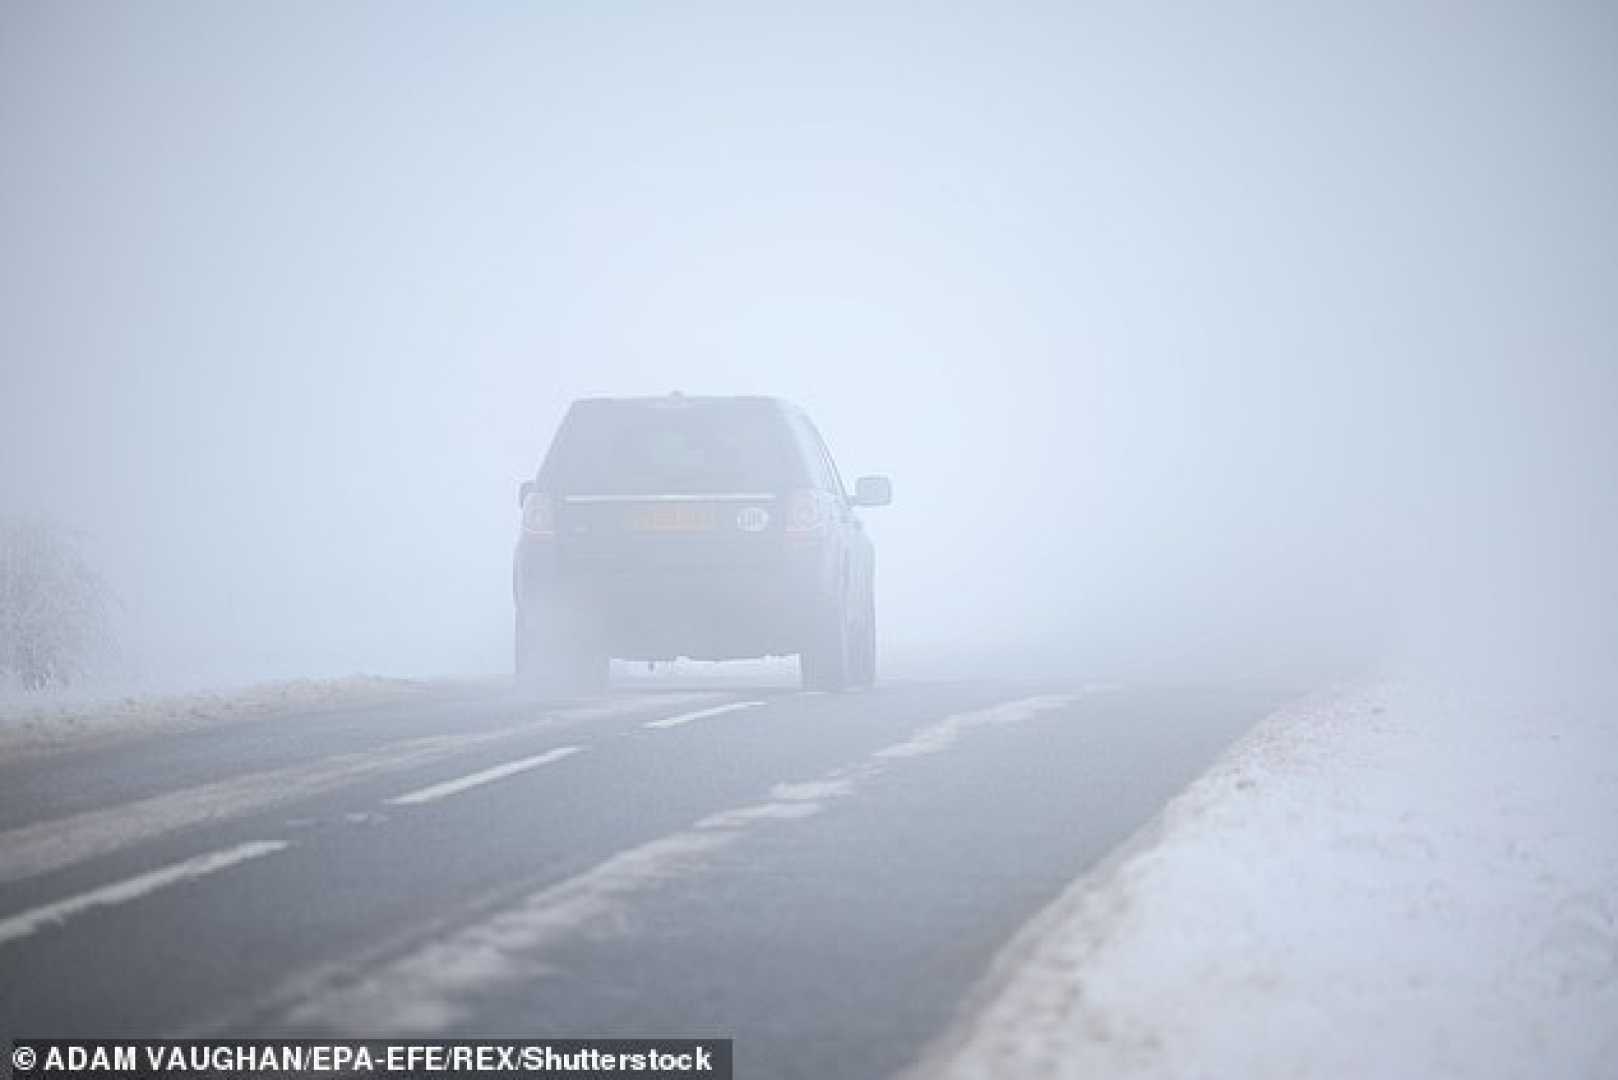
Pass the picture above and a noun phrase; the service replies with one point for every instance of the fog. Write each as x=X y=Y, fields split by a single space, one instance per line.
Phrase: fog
x=1194 y=340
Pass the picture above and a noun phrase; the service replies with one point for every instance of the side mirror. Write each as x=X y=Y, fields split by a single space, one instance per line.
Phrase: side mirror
x=527 y=489
x=873 y=491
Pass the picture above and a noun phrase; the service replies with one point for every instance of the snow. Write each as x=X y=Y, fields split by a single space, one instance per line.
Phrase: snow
x=33 y=724
x=1399 y=881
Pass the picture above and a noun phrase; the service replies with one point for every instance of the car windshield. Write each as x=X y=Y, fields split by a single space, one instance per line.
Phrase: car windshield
x=676 y=446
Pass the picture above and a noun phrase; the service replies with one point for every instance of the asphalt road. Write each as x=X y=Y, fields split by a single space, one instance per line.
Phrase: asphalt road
x=820 y=877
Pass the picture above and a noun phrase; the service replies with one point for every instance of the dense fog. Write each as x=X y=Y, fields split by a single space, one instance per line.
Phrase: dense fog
x=1239 y=340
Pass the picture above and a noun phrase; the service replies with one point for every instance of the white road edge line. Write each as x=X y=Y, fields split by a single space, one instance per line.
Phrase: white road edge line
x=21 y=926
x=477 y=779
x=702 y=714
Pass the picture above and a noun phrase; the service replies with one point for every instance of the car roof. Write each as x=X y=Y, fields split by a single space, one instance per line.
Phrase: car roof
x=693 y=399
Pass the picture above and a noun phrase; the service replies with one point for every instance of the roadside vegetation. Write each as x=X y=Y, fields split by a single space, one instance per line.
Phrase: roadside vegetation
x=55 y=609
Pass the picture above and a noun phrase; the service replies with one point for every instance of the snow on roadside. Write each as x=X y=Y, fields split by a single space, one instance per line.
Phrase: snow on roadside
x=1397 y=882
x=32 y=725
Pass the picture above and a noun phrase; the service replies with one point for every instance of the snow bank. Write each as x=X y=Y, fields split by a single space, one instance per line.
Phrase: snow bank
x=1394 y=883
x=35 y=724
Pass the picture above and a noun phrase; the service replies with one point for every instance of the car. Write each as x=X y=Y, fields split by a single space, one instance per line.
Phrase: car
x=708 y=528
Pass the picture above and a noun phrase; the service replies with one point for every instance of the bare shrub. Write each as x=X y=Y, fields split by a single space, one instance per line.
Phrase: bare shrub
x=55 y=625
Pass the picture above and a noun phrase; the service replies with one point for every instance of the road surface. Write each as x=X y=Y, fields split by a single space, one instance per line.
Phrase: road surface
x=820 y=877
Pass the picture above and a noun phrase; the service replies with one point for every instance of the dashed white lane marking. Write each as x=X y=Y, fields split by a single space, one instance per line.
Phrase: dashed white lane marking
x=942 y=735
x=486 y=776
x=812 y=789
x=702 y=714
x=425 y=987
x=422 y=991
x=743 y=816
x=50 y=845
x=21 y=926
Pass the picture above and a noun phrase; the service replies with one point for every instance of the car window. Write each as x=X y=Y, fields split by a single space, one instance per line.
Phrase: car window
x=822 y=467
x=675 y=447
x=830 y=463
x=822 y=473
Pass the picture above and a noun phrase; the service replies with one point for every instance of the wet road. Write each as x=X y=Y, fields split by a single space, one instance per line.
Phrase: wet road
x=820 y=877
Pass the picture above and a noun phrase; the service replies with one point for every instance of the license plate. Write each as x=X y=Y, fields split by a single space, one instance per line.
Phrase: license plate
x=672 y=517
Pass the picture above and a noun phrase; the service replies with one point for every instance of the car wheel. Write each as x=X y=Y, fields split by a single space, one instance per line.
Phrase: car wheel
x=824 y=665
x=864 y=662
x=552 y=660
x=593 y=670
x=536 y=667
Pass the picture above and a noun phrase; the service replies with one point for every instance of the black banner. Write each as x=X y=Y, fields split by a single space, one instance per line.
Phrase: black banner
x=383 y=1059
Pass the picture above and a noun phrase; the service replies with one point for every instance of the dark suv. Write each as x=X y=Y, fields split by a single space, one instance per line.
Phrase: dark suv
x=713 y=528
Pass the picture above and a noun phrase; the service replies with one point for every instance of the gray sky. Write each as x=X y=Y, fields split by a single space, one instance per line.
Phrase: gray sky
x=1237 y=332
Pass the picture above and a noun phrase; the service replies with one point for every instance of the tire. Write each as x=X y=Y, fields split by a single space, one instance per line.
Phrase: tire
x=864 y=659
x=551 y=661
x=825 y=664
x=534 y=660
x=593 y=671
